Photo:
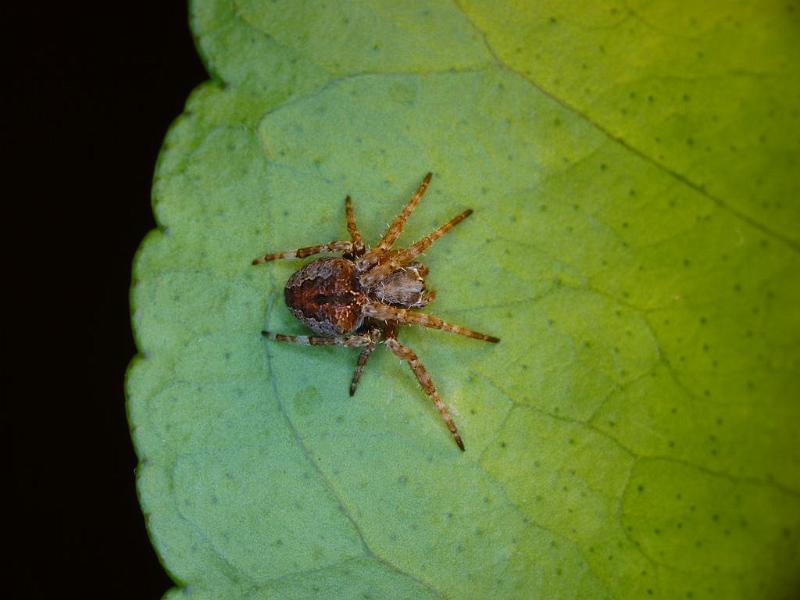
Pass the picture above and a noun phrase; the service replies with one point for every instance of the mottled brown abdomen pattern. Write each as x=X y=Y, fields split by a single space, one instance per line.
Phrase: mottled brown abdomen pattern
x=326 y=296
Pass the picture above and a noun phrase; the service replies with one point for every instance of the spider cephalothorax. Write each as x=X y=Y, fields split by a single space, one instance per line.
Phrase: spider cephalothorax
x=360 y=299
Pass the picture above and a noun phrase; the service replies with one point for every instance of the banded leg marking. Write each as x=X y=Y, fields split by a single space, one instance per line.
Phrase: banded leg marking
x=377 y=310
x=375 y=336
x=402 y=258
x=337 y=246
x=352 y=228
x=396 y=228
x=348 y=341
x=407 y=354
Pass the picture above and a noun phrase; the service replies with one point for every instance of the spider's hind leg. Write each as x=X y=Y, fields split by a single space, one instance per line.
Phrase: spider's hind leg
x=352 y=228
x=338 y=246
x=347 y=341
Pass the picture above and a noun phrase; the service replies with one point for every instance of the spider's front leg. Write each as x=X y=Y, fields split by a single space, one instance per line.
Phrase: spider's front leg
x=407 y=354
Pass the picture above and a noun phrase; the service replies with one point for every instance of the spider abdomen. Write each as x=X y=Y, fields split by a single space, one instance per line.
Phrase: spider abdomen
x=326 y=296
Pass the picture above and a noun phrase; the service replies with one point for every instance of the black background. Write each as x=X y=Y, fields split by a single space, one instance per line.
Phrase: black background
x=88 y=94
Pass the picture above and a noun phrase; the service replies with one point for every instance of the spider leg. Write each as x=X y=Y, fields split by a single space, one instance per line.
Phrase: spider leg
x=377 y=310
x=341 y=246
x=348 y=341
x=420 y=268
x=375 y=335
x=401 y=258
x=362 y=360
x=407 y=354
x=396 y=228
x=355 y=234
x=423 y=244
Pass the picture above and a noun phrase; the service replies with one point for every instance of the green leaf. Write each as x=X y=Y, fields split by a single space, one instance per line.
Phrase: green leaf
x=633 y=169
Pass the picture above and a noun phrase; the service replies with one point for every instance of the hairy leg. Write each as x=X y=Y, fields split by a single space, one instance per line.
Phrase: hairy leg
x=355 y=234
x=347 y=341
x=339 y=246
x=375 y=335
x=396 y=228
x=392 y=261
x=376 y=310
x=407 y=354
x=362 y=360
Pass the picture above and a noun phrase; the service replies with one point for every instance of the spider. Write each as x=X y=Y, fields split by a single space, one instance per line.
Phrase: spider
x=360 y=299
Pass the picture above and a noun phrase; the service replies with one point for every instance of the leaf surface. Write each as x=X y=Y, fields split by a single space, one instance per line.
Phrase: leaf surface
x=635 y=244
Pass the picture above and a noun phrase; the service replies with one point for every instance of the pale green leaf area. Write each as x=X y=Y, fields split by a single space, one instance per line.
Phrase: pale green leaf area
x=634 y=173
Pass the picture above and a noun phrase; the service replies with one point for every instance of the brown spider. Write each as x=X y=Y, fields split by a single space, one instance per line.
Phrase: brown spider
x=360 y=299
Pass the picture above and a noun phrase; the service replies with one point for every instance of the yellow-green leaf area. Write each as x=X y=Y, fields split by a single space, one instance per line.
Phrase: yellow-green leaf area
x=634 y=244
